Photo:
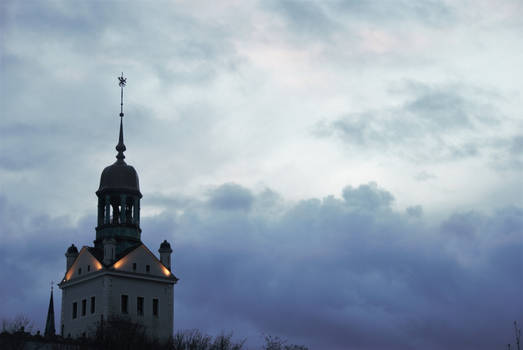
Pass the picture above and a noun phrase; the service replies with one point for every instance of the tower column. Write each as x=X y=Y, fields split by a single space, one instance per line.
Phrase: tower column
x=107 y=209
x=123 y=204
x=100 y=211
x=136 y=214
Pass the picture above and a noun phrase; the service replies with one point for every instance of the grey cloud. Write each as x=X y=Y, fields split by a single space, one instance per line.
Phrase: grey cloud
x=423 y=129
x=427 y=12
x=516 y=146
x=319 y=19
x=463 y=224
x=306 y=18
x=370 y=269
x=507 y=154
x=441 y=109
x=415 y=211
x=368 y=197
x=424 y=176
x=359 y=129
x=31 y=255
x=362 y=267
x=171 y=202
x=231 y=196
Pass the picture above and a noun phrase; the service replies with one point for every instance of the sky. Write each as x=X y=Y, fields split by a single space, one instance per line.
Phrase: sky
x=342 y=174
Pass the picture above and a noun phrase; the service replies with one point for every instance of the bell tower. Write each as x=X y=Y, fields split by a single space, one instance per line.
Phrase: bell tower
x=118 y=277
x=119 y=198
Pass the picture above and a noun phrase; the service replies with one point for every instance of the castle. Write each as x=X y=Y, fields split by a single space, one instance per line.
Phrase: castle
x=118 y=276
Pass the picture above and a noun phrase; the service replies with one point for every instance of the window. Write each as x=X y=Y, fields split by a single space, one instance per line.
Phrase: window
x=147 y=268
x=139 y=306
x=80 y=271
x=155 y=307
x=93 y=304
x=88 y=268
x=134 y=266
x=75 y=310
x=84 y=307
x=125 y=300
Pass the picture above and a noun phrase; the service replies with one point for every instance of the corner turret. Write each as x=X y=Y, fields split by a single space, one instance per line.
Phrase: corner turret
x=71 y=254
x=165 y=254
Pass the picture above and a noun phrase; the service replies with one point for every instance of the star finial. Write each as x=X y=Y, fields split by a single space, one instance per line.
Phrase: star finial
x=121 y=82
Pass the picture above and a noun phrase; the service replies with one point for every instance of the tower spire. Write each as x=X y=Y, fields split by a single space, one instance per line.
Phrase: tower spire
x=50 y=330
x=120 y=147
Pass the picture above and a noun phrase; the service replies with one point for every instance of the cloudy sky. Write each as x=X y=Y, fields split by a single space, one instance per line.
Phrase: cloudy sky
x=343 y=174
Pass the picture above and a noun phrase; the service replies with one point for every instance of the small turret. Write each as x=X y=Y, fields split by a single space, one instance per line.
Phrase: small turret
x=71 y=255
x=109 y=250
x=165 y=254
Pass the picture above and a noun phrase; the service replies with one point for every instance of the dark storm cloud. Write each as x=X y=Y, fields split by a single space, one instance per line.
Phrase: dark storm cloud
x=331 y=273
x=424 y=128
x=31 y=256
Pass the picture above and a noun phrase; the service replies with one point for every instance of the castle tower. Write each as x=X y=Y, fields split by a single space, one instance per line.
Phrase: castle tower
x=118 y=277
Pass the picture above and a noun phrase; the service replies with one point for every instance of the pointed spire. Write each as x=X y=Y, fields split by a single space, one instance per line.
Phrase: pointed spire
x=49 y=324
x=121 y=146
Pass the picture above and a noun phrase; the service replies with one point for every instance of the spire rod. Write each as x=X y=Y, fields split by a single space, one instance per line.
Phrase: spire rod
x=121 y=146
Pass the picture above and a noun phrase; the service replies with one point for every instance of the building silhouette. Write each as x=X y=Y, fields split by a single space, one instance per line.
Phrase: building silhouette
x=118 y=276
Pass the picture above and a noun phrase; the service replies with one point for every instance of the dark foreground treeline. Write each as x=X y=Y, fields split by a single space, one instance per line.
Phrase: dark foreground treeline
x=121 y=334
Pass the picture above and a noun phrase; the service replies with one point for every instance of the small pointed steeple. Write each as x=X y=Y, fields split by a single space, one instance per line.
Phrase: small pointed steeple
x=121 y=146
x=50 y=330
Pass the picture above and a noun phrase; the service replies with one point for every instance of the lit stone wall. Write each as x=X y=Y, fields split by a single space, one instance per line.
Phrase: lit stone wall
x=76 y=293
x=139 y=274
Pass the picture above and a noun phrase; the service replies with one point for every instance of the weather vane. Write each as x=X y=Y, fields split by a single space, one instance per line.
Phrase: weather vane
x=121 y=82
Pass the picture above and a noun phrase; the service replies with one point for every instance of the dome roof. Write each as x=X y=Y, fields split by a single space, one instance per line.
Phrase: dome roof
x=165 y=245
x=119 y=176
x=72 y=249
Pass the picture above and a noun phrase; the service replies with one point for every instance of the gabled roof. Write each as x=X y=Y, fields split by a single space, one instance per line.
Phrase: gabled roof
x=84 y=258
x=141 y=256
